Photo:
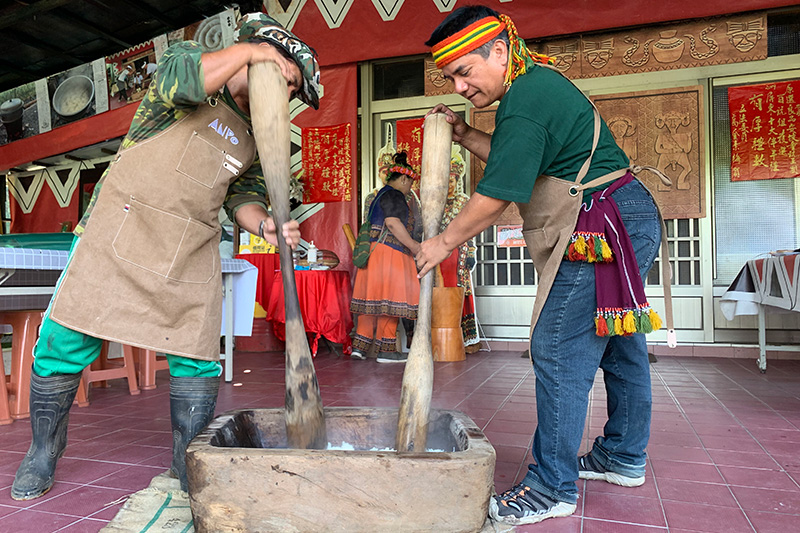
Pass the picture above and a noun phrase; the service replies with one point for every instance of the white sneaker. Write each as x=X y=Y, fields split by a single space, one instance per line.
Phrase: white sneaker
x=357 y=355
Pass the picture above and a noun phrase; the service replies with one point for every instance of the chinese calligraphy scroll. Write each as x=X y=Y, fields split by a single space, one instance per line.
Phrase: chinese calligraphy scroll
x=326 y=164
x=764 y=136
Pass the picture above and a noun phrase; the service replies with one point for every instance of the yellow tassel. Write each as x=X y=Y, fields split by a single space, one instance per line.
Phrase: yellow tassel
x=618 y=326
x=629 y=323
x=655 y=320
x=580 y=245
x=606 y=251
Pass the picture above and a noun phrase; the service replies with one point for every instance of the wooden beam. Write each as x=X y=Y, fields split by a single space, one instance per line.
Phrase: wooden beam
x=91 y=28
x=44 y=47
x=152 y=13
x=18 y=13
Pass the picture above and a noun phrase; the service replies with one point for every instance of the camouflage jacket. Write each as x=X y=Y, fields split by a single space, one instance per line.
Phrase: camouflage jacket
x=176 y=91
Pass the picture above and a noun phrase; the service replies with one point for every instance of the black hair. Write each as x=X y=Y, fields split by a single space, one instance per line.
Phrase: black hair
x=401 y=159
x=460 y=19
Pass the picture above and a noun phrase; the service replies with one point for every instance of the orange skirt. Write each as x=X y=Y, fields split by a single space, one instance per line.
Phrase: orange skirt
x=388 y=286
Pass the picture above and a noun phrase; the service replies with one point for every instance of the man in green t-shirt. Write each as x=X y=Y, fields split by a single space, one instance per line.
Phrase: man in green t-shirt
x=144 y=266
x=549 y=151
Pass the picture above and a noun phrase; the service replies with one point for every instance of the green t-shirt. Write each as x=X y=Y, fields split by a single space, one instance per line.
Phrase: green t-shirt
x=176 y=91
x=544 y=125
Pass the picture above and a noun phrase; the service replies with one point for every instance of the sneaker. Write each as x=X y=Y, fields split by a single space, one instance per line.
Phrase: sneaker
x=590 y=468
x=523 y=505
x=355 y=354
x=392 y=357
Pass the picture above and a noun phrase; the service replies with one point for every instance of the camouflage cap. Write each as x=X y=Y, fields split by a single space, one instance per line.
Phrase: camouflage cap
x=258 y=27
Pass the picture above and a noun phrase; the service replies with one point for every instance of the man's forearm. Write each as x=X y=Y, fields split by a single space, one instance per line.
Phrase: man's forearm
x=479 y=213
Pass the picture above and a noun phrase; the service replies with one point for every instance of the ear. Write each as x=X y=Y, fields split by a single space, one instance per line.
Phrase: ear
x=500 y=51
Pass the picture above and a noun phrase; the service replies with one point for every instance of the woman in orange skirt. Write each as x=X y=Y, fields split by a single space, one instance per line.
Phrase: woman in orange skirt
x=387 y=289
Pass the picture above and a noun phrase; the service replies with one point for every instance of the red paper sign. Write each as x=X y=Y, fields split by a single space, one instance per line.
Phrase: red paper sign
x=326 y=164
x=764 y=136
x=409 y=140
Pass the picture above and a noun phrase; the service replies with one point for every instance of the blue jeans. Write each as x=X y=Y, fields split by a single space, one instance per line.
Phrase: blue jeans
x=566 y=354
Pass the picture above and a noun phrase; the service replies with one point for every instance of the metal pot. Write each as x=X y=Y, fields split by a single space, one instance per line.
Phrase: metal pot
x=11 y=110
x=11 y=117
x=73 y=96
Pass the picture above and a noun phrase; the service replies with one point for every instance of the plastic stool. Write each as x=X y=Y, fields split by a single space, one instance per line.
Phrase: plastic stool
x=149 y=362
x=25 y=331
x=100 y=371
x=5 y=412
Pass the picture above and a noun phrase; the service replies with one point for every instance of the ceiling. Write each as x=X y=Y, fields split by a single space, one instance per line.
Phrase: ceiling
x=39 y=38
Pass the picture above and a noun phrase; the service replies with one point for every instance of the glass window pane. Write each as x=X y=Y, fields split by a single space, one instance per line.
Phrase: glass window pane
x=516 y=276
x=488 y=275
x=514 y=253
x=683 y=227
x=684 y=248
x=528 y=268
x=502 y=253
x=399 y=79
x=684 y=273
x=502 y=274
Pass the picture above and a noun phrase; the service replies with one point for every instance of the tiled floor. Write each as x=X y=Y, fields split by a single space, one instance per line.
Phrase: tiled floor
x=722 y=452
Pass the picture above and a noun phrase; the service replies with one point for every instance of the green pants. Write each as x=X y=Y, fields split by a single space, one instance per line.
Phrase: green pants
x=61 y=350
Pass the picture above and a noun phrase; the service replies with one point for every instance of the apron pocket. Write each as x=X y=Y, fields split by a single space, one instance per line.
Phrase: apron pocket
x=201 y=161
x=149 y=238
x=539 y=246
x=197 y=257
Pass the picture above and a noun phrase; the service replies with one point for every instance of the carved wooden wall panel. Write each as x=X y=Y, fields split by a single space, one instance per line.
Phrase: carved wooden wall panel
x=663 y=129
x=698 y=43
x=435 y=83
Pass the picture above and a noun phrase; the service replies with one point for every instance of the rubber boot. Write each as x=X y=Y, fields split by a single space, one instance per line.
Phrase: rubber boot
x=191 y=405
x=50 y=400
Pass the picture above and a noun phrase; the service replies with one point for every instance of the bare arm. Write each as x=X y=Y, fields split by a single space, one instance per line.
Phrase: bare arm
x=401 y=234
x=250 y=216
x=474 y=140
x=478 y=214
x=220 y=66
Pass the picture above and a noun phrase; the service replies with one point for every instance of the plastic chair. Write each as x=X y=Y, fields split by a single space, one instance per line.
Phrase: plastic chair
x=25 y=331
x=149 y=362
x=102 y=369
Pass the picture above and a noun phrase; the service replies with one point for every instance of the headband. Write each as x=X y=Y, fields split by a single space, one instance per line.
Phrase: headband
x=465 y=41
x=404 y=170
x=481 y=32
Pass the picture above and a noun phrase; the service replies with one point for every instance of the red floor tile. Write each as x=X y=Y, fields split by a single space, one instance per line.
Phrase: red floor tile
x=705 y=518
x=621 y=508
x=694 y=492
x=27 y=521
x=768 y=500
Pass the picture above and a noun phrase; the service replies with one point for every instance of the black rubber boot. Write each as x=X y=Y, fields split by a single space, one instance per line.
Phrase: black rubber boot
x=191 y=407
x=51 y=398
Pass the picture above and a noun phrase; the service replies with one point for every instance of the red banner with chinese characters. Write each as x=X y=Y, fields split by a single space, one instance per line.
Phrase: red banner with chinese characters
x=764 y=136
x=409 y=140
x=326 y=164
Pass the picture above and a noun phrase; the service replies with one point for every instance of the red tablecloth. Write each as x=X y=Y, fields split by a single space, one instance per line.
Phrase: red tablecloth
x=324 y=297
x=267 y=265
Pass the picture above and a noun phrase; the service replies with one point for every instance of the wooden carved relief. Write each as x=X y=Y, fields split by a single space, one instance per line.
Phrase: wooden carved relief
x=435 y=82
x=703 y=42
x=663 y=129
x=483 y=119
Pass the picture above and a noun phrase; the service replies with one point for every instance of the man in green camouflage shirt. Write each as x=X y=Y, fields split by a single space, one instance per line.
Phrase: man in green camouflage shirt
x=147 y=187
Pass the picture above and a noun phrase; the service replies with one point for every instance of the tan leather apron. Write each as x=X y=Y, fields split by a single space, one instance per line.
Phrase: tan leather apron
x=549 y=219
x=146 y=271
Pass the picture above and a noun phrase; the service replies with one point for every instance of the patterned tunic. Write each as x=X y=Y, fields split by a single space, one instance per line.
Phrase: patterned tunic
x=466 y=259
x=177 y=90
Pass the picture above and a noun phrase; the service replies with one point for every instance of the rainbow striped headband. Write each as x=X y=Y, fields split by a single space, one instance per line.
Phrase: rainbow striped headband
x=404 y=170
x=465 y=41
